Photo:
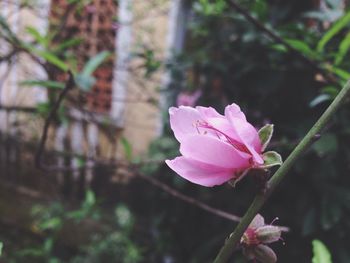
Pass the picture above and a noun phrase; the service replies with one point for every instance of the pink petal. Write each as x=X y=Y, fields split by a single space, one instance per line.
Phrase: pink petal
x=249 y=136
x=258 y=221
x=213 y=151
x=245 y=131
x=225 y=127
x=208 y=112
x=234 y=111
x=256 y=156
x=183 y=121
x=199 y=173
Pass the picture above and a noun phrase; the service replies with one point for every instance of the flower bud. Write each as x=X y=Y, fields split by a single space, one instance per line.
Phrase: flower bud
x=264 y=254
x=268 y=234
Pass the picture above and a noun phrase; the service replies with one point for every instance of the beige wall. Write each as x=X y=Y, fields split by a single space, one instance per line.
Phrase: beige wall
x=150 y=27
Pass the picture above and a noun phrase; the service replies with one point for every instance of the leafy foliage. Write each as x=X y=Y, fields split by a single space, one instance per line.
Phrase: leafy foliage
x=321 y=253
x=84 y=79
x=111 y=243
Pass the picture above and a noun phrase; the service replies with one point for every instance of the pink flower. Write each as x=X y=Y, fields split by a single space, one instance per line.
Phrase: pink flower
x=259 y=233
x=215 y=148
x=188 y=99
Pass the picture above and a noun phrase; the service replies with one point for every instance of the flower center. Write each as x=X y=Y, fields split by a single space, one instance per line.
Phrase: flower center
x=249 y=237
x=221 y=135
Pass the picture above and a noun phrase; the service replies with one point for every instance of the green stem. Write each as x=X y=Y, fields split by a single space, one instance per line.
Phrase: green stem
x=280 y=174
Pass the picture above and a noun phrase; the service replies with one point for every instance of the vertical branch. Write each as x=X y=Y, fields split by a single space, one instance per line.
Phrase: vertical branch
x=38 y=155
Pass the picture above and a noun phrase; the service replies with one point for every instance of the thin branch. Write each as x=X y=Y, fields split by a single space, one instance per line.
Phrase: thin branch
x=188 y=199
x=63 y=21
x=8 y=56
x=18 y=108
x=314 y=65
x=69 y=85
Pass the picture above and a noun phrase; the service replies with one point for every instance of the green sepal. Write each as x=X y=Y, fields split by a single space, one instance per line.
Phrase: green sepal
x=271 y=159
x=265 y=135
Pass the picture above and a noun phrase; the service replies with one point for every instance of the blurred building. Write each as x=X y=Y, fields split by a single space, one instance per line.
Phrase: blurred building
x=121 y=97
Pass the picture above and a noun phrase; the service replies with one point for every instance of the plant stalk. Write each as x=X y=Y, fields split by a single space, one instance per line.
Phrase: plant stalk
x=280 y=174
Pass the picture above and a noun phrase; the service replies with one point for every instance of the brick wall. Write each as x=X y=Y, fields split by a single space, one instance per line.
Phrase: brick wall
x=94 y=24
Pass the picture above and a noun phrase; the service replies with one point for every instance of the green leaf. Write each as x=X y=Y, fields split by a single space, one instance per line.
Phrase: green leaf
x=84 y=79
x=127 y=148
x=260 y=8
x=43 y=83
x=271 y=159
x=343 y=74
x=77 y=214
x=95 y=62
x=279 y=47
x=48 y=56
x=52 y=223
x=1 y=246
x=123 y=216
x=54 y=260
x=48 y=245
x=90 y=198
x=319 y=99
x=343 y=49
x=84 y=82
x=330 y=90
x=327 y=144
x=9 y=34
x=335 y=29
x=53 y=59
x=43 y=108
x=321 y=253
x=265 y=135
x=301 y=46
x=67 y=44
x=37 y=36
x=80 y=162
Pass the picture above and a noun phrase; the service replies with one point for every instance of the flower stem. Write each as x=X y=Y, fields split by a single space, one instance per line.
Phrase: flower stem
x=279 y=175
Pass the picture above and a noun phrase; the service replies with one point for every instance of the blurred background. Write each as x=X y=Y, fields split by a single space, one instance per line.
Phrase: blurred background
x=84 y=90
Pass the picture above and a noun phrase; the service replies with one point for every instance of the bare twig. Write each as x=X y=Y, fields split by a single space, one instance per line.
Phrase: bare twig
x=194 y=202
x=188 y=199
x=18 y=108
